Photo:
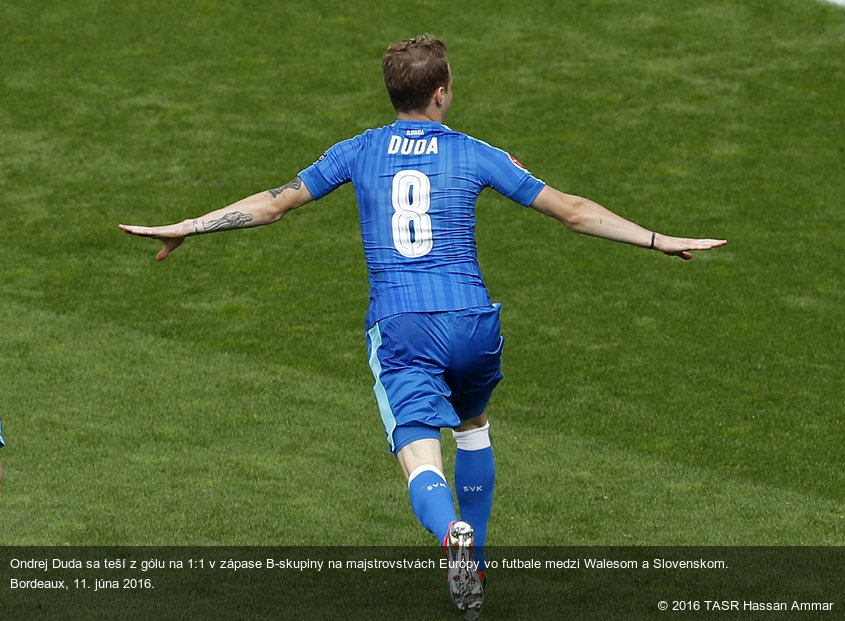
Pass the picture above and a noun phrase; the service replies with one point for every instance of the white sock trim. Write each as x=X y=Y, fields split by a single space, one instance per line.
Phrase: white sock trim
x=425 y=468
x=474 y=439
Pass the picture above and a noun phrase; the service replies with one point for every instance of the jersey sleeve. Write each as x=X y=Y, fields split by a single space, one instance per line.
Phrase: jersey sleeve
x=332 y=170
x=502 y=172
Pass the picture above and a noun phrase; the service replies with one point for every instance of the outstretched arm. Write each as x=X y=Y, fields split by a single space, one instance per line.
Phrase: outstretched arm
x=585 y=216
x=256 y=210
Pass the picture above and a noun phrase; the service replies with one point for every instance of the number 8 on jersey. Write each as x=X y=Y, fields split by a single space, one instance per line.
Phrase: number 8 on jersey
x=412 y=234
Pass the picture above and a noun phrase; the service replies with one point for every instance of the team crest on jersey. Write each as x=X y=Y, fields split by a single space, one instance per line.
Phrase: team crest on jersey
x=516 y=162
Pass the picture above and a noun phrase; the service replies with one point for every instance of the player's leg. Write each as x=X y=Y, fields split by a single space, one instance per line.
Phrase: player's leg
x=432 y=501
x=431 y=497
x=405 y=357
x=475 y=477
x=477 y=372
x=422 y=452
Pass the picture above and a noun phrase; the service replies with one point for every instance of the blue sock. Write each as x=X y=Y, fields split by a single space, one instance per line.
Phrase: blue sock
x=432 y=500
x=475 y=475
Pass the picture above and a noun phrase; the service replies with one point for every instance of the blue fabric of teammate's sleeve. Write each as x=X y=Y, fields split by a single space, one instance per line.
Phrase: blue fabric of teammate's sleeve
x=502 y=172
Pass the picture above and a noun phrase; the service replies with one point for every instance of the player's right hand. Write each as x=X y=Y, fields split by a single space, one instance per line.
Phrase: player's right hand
x=171 y=236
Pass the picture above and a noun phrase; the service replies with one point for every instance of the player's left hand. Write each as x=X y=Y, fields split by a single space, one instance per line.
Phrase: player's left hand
x=682 y=246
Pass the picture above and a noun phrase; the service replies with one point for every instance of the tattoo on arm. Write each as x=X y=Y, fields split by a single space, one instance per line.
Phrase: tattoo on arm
x=232 y=220
x=293 y=185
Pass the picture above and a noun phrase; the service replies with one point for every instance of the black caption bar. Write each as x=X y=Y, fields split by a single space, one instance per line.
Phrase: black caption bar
x=583 y=583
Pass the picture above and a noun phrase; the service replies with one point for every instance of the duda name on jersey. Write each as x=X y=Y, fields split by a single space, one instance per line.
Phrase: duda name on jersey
x=412 y=146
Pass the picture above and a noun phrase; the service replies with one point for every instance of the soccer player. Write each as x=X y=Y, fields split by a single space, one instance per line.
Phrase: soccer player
x=432 y=331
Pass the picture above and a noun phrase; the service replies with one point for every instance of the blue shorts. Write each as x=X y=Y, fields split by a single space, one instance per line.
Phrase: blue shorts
x=433 y=370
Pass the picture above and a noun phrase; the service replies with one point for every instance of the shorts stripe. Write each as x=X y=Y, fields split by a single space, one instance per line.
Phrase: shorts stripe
x=387 y=416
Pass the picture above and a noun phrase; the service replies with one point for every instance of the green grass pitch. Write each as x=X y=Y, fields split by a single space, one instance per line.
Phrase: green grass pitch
x=222 y=397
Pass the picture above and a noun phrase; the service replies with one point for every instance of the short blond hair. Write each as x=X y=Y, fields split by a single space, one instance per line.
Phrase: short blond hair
x=413 y=70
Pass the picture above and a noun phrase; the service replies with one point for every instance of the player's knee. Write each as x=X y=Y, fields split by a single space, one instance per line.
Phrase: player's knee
x=473 y=423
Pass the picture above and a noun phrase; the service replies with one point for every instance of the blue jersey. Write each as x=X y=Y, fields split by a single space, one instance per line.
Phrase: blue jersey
x=416 y=183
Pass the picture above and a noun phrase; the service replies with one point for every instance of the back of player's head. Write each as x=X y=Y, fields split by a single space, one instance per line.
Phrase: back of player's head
x=413 y=70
